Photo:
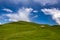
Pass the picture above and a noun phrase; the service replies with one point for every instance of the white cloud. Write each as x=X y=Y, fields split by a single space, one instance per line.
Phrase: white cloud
x=3 y=19
x=54 y=12
x=21 y=15
x=0 y=23
x=25 y=2
x=35 y=11
x=35 y=16
x=7 y=10
x=45 y=2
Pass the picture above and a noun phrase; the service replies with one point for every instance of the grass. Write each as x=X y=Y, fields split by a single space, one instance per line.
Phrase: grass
x=28 y=31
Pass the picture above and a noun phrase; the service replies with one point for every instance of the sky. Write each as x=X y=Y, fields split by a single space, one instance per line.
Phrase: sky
x=38 y=11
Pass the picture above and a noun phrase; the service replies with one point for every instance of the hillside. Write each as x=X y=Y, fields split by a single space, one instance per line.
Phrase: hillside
x=29 y=31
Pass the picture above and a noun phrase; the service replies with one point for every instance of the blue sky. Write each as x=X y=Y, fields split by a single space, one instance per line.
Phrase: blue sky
x=38 y=11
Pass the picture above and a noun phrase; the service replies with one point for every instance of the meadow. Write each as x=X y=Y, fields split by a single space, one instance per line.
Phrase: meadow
x=29 y=31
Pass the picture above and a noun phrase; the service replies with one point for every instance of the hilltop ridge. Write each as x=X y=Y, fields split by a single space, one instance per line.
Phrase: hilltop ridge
x=29 y=31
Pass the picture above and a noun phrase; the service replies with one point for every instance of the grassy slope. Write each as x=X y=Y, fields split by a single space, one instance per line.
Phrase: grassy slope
x=28 y=31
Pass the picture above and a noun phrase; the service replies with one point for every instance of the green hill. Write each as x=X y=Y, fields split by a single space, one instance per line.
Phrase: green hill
x=29 y=31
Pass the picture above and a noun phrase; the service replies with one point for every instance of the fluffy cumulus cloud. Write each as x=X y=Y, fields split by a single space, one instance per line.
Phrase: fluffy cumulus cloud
x=21 y=15
x=54 y=12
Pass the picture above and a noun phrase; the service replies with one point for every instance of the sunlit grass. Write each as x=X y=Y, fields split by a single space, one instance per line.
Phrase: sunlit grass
x=28 y=31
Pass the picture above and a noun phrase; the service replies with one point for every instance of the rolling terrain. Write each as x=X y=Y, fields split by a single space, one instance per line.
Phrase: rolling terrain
x=29 y=31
